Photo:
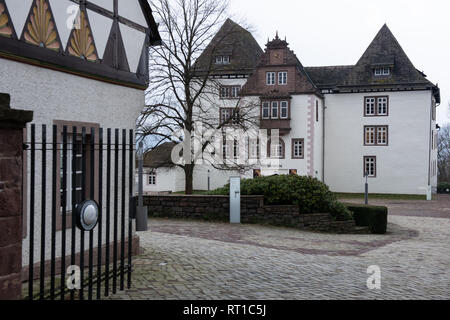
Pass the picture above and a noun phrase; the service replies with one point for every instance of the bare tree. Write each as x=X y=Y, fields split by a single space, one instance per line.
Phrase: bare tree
x=444 y=154
x=181 y=93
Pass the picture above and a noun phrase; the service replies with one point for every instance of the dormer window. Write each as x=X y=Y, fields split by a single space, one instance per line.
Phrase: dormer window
x=223 y=59
x=382 y=71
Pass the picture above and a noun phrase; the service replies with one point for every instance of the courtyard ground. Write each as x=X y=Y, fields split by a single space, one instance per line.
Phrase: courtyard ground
x=203 y=260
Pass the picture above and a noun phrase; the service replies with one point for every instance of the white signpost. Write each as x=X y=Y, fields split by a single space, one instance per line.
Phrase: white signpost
x=235 y=200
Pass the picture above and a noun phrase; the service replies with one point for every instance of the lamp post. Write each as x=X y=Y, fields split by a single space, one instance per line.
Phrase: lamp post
x=366 y=194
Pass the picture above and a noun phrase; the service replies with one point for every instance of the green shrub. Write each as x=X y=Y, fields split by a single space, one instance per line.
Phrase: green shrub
x=444 y=187
x=310 y=194
x=374 y=217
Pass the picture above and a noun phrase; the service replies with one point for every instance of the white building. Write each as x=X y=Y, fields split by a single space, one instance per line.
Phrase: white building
x=335 y=123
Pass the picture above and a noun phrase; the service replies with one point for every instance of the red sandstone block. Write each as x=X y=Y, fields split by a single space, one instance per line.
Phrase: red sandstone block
x=11 y=259
x=10 y=230
x=11 y=170
x=10 y=287
x=10 y=203
x=11 y=142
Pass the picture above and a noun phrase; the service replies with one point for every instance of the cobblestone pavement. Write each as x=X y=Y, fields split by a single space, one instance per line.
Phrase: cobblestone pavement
x=202 y=260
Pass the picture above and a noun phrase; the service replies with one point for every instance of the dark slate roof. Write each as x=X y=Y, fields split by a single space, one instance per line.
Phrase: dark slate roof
x=383 y=51
x=160 y=156
x=386 y=50
x=235 y=41
x=328 y=77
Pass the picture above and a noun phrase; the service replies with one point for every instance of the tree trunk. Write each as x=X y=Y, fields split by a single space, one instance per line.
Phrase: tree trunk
x=189 y=177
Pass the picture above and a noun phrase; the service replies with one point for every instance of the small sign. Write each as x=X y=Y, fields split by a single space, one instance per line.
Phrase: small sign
x=235 y=200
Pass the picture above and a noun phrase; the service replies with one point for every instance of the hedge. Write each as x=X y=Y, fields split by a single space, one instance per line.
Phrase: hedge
x=374 y=217
x=310 y=194
x=444 y=187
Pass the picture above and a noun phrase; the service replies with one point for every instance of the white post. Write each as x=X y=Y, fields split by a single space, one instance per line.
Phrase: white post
x=235 y=200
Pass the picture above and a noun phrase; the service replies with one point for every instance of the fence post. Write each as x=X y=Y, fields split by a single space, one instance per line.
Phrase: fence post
x=12 y=123
x=142 y=213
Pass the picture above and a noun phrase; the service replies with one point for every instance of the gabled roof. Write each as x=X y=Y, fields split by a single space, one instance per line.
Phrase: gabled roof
x=232 y=40
x=303 y=81
x=160 y=156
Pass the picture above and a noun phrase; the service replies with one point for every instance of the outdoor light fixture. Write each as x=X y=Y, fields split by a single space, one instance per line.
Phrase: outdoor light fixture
x=87 y=214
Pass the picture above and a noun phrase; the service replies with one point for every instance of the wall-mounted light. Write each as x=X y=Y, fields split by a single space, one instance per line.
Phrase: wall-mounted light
x=87 y=214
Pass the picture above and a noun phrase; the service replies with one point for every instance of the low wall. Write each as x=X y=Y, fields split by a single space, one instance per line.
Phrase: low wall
x=253 y=211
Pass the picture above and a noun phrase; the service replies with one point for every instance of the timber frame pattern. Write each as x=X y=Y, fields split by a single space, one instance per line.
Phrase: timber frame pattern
x=44 y=48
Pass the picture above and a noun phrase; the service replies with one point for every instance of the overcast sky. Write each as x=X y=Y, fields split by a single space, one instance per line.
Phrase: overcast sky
x=337 y=32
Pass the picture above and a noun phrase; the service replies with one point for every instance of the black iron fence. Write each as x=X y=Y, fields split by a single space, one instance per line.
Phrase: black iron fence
x=75 y=165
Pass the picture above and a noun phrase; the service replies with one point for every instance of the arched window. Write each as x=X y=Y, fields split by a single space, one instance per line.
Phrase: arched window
x=276 y=149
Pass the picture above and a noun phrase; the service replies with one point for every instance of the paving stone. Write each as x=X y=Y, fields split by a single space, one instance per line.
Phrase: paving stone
x=222 y=261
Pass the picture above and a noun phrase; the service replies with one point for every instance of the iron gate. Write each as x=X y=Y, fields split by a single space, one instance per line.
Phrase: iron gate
x=83 y=166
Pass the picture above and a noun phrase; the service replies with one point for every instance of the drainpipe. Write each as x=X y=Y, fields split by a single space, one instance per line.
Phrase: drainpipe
x=323 y=139
x=429 y=191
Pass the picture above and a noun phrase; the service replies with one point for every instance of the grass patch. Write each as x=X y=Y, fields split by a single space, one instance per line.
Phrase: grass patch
x=381 y=196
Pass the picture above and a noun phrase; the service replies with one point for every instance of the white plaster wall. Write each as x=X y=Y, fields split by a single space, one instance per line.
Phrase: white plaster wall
x=402 y=167
x=167 y=180
x=54 y=95
x=300 y=117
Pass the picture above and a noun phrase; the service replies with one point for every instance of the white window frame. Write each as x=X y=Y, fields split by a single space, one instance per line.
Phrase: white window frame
x=235 y=90
x=382 y=132
x=370 y=166
x=277 y=149
x=225 y=114
x=219 y=60
x=226 y=59
x=370 y=105
x=298 y=146
x=382 y=102
x=152 y=178
x=270 y=78
x=69 y=172
x=382 y=71
x=284 y=105
x=253 y=148
x=266 y=106
x=282 y=78
x=274 y=107
x=370 y=136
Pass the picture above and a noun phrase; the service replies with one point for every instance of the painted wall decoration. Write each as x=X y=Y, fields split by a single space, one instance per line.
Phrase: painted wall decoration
x=81 y=43
x=40 y=28
x=6 y=29
x=109 y=42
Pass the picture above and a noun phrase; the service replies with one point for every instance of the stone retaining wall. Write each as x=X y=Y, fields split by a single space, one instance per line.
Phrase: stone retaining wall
x=253 y=210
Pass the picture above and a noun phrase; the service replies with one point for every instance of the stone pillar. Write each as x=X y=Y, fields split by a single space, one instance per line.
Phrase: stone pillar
x=12 y=123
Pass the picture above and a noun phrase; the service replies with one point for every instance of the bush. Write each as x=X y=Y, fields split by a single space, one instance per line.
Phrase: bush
x=444 y=187
x=374 y=217
x=311 y=195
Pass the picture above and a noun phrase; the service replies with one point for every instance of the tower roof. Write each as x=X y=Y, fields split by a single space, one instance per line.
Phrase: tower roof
x=234 y=41
x=385 y=50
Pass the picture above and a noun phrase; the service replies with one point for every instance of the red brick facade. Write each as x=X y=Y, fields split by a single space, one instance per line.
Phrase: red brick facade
x=279 y=58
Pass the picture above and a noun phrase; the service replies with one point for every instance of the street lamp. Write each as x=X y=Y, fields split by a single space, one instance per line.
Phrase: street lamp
x=366 y=194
